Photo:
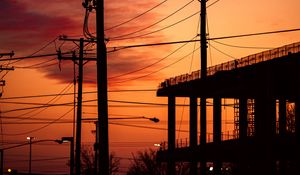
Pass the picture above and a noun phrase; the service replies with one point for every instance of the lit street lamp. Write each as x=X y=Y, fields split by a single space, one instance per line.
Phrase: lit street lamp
x=63 y=140
x=71 y=140
x=30 y=149
x=95 y=120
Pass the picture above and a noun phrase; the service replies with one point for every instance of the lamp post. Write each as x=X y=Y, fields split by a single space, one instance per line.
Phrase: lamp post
x=95 y=120
x=30 y=152
x=63 y=140
x=71 y=140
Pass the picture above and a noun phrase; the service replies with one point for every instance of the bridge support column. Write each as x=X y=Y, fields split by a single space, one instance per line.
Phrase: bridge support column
x=265 y=131
x=243 y=128
x=243 y=121
x=282 y=133
x=171 y=135
x=193 y=133
x=297 y=119
x=296 y=161
x=203 y=133
x=217 y=130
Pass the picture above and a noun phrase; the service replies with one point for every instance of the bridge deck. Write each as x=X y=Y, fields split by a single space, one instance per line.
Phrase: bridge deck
x=243 y=77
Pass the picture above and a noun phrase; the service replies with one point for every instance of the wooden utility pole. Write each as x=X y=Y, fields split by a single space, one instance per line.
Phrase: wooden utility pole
x=103 y=146
x=79 y=98
x=203 y=43
x=79 y=110
x=2 y=82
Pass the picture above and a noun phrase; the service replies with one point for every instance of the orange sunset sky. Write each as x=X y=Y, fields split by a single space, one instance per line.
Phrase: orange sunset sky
x=32 y=27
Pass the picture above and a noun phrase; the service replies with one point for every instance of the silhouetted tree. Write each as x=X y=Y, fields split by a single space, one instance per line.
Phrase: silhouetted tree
x=144 y=163
x=88 y=162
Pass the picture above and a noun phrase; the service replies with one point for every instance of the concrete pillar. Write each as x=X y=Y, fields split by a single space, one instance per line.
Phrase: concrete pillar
x=171 y=135
x=265 y=131
x=297 y=119
x=217 y=129
x=193 y=132
x=217 y=123
x=282 y=134
x=243 y=123
x=203 y=132
x=282 y=117
x=243 y=128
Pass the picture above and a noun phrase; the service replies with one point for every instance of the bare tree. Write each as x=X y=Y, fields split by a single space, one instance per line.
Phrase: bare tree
x=88 y=162
x=144 y=163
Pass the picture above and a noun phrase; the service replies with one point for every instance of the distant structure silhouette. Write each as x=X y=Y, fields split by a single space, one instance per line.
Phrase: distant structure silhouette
x=261 y=87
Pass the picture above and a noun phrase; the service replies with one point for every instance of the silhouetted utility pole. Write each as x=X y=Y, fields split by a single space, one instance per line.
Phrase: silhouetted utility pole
x=79 y=109
x=2 y=163
x=2 y=82
x=7 y=54
x=103 y=145
x=79 y=98
x=203 y=43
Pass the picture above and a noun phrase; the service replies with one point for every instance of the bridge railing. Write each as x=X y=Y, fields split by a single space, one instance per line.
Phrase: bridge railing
x=185 y=142
x=237 y=63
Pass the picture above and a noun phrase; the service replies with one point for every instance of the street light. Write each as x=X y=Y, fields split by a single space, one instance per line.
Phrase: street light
x=63 y=140
x=153 y=119
x=71 y=140
x=30 y=149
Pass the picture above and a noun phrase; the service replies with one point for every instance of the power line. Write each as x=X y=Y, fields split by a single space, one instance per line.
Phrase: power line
x=155 y=31
x=39 y=50
x=117 y=48
x=57 y=97
x=169 y=65
x=242 y=47
x=137 y=31
x=34 y=56
x=37 y=65
x=40 y=128
x=86 y=101
x=255 y=34
x=36 y=160
x=152 y=64
x=150 y=44
x=212 y=3
x=147 y=11
x=232 y=57
x=87 y=92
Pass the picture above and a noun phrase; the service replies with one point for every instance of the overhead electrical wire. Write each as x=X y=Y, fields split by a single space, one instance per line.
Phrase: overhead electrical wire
x=161 y=29
x=85 y=101
x=189 y=71
x=232 y=57
x=152 y=64
x=37 y=65
x=145 y=28
x=53 y=100
x=145 y=12
x=212 y=3
x=243 y=47
x=153 y=72
x=40 y=128
x=39 y=50
x=155 y=31
x=34 y=56
x=117 y=48
x=87 y=92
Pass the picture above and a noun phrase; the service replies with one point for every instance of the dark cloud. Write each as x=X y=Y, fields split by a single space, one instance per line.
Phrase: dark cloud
x=26 y=29
x=23 y=30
